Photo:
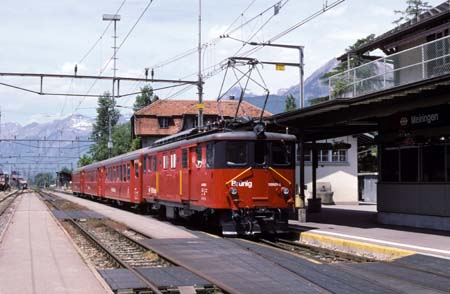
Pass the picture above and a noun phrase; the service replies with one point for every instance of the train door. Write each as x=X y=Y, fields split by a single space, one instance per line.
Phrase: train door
x=136 y=177
x=99 y=182
x=197 y=172
x=185 y=174
x=82 y=182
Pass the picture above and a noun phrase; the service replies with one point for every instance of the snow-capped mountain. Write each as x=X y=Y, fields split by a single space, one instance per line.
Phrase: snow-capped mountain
x=19 y=152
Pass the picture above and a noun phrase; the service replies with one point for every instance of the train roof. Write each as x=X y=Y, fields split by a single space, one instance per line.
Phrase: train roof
x=191 y=136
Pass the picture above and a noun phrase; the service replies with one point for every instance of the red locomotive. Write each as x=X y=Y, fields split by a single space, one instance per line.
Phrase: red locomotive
x=243 y=179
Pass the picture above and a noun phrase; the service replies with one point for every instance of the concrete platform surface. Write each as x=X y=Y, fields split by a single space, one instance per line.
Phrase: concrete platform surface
x=342 y=223
x=37 y=257
x=151 y=227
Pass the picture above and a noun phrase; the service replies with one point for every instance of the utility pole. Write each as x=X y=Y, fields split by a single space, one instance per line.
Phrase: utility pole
x=115 y=18
x=300 y=65
x=200 y=104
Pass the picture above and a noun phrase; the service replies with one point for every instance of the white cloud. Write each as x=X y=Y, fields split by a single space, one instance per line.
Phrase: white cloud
x=381 y=11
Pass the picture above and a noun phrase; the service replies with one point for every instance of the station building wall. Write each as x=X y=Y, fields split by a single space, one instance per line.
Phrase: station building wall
x=342 y=175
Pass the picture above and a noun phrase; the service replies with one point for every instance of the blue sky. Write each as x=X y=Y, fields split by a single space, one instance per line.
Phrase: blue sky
x=51 y=36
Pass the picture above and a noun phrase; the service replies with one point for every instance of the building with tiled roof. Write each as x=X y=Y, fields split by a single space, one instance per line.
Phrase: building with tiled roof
x=167 y=117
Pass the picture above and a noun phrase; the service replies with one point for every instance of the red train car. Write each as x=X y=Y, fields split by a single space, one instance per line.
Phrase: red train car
x=243 y=180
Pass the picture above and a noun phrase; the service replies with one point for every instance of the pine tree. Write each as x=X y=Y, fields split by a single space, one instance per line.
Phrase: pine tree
x=414 y=8
x=145 y=98
x=290 y=103
x=100 y=130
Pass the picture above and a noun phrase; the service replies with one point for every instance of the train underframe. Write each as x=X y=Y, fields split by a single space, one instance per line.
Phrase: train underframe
x=245 y=221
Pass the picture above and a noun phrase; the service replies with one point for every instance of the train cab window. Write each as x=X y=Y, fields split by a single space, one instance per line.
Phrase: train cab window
x=184 y=158
x=260 y=152
x=210 y=155
x=144 y=163
x=120 y=173
x=281 y=153
x=236 y=153
x=124 y=172
x=128 y=172
x=136 y=170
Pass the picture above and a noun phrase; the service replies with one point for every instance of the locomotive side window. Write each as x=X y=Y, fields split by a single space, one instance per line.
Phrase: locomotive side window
x=184 y=158
x=198 y=150
x=236 y=153
x=124 y=171
x=120 y=173
x=136 y=170
x=165 y=161
x=210 y=155
x=154 y=162
x=128 y=171
x=260 y=152
x=144 y=164
x=173 y=160
x=281 y=153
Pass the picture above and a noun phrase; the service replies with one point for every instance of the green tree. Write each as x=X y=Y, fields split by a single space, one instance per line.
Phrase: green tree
x=343 y=83
x=85 y=160
x=44 y=179
x=121 y=137
x=65 y=169
x=100 y=130
x=355 y=60
x=290 y=103
x=146 y=97
x=413 y=9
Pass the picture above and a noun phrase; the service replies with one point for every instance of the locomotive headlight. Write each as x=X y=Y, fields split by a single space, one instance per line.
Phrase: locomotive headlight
x=233 y=191
x=285 y=191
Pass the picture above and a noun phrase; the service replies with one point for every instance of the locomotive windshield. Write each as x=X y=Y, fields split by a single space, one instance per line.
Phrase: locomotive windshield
x=257 y=154
x=236 y=152
x=281 y=153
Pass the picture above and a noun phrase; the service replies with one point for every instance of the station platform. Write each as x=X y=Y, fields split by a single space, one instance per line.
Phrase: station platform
x=37 y=257
x=149 y=226
x=354 y=229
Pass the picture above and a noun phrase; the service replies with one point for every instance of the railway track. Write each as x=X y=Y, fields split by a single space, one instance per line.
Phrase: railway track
x=108 y=246
x=5 y=212
x=319 y=254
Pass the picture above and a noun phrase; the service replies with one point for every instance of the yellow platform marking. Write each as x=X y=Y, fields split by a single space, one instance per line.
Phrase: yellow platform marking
x=392 y=252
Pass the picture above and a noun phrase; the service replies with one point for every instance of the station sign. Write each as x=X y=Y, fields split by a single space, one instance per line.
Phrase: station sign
x=435 y=116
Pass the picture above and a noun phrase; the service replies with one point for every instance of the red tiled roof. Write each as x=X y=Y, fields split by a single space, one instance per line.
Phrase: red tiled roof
x=179 y=107
x=146 y=120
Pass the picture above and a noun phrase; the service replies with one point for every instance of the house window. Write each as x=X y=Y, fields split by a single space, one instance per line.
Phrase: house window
x=339 y=155
x=164 y=122
x=323 y=155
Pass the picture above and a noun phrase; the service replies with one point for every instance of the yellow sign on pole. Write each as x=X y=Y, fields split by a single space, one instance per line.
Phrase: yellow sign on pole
x=200 y=105
x=279 y=66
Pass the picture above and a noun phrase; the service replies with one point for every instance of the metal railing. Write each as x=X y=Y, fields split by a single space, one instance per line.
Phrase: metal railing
x=419 y=63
